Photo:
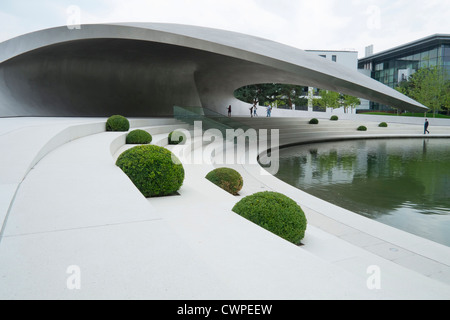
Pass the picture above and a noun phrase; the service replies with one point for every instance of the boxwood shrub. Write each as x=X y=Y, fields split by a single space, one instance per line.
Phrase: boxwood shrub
x=139 y=137
x=276 y=213
x=117 y=123
x=177 y=134
x=334 y=118
x=362 y=128
x=383 y=125
x=314 y=121
x=226 y=178
x=154 y=170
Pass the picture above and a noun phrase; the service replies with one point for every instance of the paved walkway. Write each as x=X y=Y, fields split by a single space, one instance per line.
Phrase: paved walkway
x=75 y=208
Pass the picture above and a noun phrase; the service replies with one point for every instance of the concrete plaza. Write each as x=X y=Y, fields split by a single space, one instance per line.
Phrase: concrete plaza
x=73 y=226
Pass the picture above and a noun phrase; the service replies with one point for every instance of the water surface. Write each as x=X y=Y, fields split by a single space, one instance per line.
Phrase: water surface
x=404 y=183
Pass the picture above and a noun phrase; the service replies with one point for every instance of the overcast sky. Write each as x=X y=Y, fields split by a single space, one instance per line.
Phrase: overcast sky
x=305 y=24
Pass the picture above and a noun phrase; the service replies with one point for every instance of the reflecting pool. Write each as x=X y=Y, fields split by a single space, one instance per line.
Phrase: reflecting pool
x=404 y=183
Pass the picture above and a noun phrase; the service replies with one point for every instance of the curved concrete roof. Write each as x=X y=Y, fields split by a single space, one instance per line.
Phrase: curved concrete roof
x=144 y=69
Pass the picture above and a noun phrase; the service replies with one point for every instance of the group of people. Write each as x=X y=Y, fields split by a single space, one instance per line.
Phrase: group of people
x=253 y=112
x=269 y=113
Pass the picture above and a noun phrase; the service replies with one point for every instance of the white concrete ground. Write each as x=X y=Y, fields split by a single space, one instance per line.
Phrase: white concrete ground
x=68 y=213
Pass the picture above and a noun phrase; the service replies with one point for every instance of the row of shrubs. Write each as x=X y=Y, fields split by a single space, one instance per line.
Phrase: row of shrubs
x=272 y=211
x=119 y=123
x=360 y=128
x=156 y=171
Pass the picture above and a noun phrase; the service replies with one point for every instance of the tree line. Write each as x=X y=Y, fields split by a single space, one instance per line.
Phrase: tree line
x=287 y=96
x=429 y=86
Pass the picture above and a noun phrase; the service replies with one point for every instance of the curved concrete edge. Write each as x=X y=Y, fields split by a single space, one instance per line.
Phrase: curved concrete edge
x=30 y=146
x=347 y=224
x=332 y=275
x=237 y=60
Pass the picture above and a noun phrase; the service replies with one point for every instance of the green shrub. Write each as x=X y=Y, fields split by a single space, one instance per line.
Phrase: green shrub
x=334 y=118
x=117 y=123
x=139 y=137
x=314 y=121
x=154 y=170
x=383 y=125
x=362 y=128
x=226 y=178
x=177 y=134
x=274 y=212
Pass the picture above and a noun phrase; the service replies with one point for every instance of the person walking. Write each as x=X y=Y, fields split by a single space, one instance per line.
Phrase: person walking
x=269 y=111
x=229 y=110
x=251 y=112
x=254 y=112
x=426 y=125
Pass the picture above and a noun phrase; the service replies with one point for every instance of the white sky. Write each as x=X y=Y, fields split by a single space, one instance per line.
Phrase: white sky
x=305 y=24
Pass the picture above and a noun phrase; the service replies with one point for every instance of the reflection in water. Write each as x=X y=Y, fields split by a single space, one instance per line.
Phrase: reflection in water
x=404 y=183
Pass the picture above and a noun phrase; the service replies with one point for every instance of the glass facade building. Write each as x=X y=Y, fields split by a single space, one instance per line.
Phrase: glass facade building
x=392 y=66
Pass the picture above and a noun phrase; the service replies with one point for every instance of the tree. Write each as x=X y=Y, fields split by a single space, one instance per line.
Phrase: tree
x=349 y=102
x=329 y=99
x=250 y=94
x=429 y=87
x=271 y=93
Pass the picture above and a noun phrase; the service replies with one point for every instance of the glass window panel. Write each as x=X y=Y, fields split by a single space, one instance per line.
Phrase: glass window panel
x=424 y=64
x=425 y=55
x=433 y=53
x=433 y=62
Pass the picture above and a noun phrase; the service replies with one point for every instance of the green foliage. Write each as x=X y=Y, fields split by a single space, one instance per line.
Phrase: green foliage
x=139 y=137
x=117 y=123
x=329 y=99
x=284 y=95
x=428 y=86
x=362 y=128
x=274 y=212
x=350 y=102
x=334 y=118
x=226 y=178
x=177 y=137
x=314 y=121
x=154 y=170
x=383 y=125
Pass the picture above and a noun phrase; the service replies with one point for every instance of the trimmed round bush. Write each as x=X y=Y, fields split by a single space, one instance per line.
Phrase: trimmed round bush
x=383 y=125
x=181 y=137
x=117 y=123
x=139 y=137
x=362 y=128
x=154 y=170
x=334 y=118
x=226 y=178
x=314 y=121
x=276 y=213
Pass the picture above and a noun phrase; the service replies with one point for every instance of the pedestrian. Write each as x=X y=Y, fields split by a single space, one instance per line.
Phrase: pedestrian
x=251 y=112
x=427 y=124
x=254 y=112
x=229 y=110
x=269 y=111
